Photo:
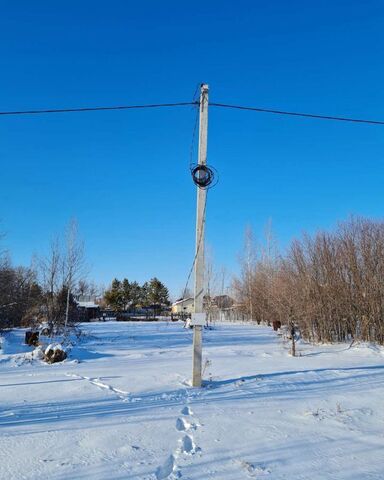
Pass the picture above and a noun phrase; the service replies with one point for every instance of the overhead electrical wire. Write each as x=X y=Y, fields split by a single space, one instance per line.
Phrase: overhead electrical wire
x=96 y=109
x=297 y=114
x=197 y=248
x=182 y=104
x=207 y=180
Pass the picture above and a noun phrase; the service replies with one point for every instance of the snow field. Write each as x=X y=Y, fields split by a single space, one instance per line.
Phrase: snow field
x=120 y=407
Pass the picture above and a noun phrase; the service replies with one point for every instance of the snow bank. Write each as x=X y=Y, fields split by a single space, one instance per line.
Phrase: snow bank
x=36 y=354
x=53 y=347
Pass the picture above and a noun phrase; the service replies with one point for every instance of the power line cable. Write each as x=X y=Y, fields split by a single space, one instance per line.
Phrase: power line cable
x=191 y=167
x=191 y=163
x=196 y=94
x=193 y=103
x=297 y=114
x=198 y=247
x=96 y=109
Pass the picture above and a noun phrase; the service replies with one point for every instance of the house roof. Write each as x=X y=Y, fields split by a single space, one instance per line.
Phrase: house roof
x=88 y=304
x=183 y=300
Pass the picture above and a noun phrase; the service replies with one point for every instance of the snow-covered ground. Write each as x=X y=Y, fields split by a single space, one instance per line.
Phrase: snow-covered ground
x=120 y=407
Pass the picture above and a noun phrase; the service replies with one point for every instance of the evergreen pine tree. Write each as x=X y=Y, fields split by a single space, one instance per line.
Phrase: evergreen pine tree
x=157 y=293
x=135 y=293
x=126 y=292
x=114 y=297
x=144 y=300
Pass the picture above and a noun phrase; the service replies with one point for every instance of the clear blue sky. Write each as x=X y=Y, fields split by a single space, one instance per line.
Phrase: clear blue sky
x=125 y=176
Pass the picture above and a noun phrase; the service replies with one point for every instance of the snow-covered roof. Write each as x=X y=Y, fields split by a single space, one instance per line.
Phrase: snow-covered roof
x=183 y=300
x=87 y=304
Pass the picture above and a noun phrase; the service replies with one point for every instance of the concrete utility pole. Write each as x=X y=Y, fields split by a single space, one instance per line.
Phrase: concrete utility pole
x=200 y=232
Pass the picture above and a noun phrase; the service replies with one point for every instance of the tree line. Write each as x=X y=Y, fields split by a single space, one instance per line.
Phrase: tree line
x=124 y=295
x=330 y=285
x=44 y=292
x=47 y=292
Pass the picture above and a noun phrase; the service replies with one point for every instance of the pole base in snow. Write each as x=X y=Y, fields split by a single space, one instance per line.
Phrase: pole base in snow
x=197 y=354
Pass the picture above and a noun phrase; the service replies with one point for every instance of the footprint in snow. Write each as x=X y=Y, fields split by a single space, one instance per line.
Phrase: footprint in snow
x=254 y=470
x=186 y=411
x=182 y=425
x=167 y=469
x=188 y=446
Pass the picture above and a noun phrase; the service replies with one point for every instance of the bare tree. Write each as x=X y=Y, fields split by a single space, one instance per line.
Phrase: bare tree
x=51 y=269
x=60 y=271
x=244 y=285
x=88 y=289
x=209 y=280
x=73 y=263
x=330 y=285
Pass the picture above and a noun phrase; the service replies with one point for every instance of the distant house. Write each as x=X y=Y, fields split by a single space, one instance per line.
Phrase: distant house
x=223 y=301
x=183 y=305
x=88 y=310
x=215 y=306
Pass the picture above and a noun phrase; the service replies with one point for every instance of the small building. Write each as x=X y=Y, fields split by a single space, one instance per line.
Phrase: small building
x=88 y=311
x=183 y=305
x=223 y=301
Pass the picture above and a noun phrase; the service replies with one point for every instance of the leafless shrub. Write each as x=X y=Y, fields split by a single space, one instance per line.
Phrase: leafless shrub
x=330 y=285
